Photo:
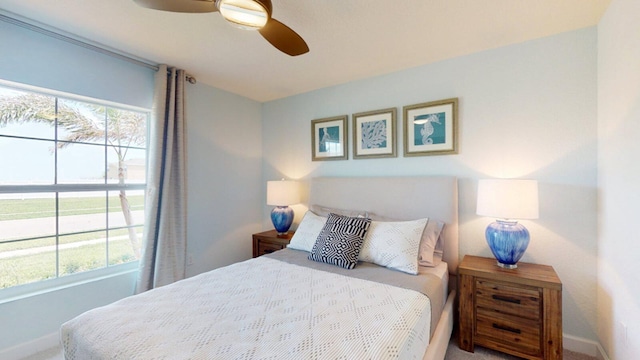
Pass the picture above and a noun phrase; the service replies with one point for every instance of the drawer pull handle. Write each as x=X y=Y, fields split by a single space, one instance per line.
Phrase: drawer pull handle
x=507 y=299
x=507 y=328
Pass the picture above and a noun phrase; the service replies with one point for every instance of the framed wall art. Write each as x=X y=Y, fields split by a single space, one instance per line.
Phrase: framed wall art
x=431 y=128
x=329 y=138
x=374 y=134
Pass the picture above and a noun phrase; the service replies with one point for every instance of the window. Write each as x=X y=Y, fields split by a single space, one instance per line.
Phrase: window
x=72 y=183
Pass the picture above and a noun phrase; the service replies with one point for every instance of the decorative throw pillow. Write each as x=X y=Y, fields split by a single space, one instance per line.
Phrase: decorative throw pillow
x=394 y=244
x=340 y=241
x=430 y=253
x=307 y=232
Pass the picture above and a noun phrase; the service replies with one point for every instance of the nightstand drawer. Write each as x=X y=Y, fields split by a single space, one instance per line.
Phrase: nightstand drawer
x=267 y=248
x=508 y=332
x=520 y=301
x=267 y=242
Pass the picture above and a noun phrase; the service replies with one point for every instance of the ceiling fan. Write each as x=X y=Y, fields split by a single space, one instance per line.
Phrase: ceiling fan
x=245 y=14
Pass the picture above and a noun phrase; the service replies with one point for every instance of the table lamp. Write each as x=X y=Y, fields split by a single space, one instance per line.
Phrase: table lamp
x=507 y=200
x=281 y=194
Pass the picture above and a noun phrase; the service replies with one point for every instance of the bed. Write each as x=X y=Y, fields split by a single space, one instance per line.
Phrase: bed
x=285 y=306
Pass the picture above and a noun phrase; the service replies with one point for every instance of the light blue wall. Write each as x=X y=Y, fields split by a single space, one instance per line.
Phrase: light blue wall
x=224 y=169
x=619 y=179
x=526 y=110
x=37 y=316
x=224 y=174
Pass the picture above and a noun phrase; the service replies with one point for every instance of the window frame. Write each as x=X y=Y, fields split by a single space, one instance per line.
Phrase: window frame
x=65 y=280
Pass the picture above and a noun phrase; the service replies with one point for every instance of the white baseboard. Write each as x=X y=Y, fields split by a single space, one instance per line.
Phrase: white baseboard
x=584 y=346
x=31 y=347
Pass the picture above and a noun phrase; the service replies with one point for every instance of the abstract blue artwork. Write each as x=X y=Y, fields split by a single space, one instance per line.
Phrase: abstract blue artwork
x=328 y=136
x=429 y=129
x=374 y=134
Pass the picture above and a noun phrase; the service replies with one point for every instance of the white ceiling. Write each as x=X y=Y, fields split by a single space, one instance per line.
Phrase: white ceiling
x=348 y=39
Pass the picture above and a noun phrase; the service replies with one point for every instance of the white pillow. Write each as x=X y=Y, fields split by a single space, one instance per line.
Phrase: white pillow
x=431 y=244
x=325 y=211
x=430 y=253
x=394 y=244
x=307 y=232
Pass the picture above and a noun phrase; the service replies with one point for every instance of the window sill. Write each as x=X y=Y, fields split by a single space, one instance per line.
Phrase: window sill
x=20 y=292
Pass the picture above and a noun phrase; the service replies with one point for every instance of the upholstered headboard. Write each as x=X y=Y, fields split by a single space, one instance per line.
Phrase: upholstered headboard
x=402 y=198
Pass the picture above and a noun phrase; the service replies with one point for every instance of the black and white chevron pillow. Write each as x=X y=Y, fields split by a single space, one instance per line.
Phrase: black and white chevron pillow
x=340 y=241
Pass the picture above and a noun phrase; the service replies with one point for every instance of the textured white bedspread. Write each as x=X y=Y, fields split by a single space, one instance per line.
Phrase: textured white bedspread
x=257 y=309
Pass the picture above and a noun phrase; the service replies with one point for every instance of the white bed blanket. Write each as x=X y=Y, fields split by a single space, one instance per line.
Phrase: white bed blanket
x=257 y=309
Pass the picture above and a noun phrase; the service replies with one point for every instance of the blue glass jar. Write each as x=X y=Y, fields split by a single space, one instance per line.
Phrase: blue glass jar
x=282 y=218
x=508 y=241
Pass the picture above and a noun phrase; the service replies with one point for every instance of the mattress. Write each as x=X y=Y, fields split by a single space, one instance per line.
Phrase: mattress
x=432 y=281
x=263 y=308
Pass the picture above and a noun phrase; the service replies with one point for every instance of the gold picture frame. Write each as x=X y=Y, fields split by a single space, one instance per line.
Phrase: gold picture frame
x=329 y=138
x=374 y=134
x=431 y=128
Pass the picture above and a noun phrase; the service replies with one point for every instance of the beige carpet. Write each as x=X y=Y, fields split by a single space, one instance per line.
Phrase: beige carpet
x=453 y=353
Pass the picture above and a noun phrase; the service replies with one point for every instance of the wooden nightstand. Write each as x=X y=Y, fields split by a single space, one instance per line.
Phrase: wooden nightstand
x=269 y=241
x=518 y=312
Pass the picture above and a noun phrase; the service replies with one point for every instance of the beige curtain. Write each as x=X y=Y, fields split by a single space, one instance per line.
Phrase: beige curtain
x=163 y=258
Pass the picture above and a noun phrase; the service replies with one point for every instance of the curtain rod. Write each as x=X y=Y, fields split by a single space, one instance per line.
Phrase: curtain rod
x=84 y=44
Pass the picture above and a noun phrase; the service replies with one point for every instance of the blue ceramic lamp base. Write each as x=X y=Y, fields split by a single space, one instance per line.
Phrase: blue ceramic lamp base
x=508 y=241
x=282 y=218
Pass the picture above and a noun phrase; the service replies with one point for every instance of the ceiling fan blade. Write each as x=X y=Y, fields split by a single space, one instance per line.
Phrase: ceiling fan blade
x=283 y=38
x=184 y=6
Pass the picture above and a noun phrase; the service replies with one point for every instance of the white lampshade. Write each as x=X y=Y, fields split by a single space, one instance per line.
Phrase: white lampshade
x=283 y=192
x=508 y=198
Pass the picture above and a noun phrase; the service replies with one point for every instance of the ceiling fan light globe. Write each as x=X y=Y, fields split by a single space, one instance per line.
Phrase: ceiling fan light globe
x=244 y=14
